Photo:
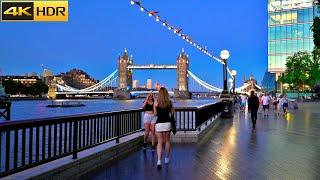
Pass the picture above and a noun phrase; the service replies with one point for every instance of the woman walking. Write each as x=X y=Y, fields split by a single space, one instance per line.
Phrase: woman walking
x=163 y=109
x=285 y=104
x=149 y=121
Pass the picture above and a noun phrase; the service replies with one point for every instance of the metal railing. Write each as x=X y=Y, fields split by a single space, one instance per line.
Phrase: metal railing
x=5 y=107
x=25 y=144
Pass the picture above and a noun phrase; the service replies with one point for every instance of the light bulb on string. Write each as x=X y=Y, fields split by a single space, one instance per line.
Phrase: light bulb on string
x=176 y=31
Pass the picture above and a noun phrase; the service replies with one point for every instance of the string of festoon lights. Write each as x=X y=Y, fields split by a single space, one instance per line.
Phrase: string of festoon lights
x=177 y=31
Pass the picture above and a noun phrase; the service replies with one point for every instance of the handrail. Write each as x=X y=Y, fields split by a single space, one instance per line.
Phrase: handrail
x=28 y=143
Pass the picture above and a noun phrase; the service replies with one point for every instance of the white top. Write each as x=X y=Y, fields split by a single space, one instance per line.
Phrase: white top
x=266 y=100
x=243 y=98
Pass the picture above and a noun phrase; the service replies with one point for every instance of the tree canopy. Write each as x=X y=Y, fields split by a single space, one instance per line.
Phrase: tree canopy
x=13 y=88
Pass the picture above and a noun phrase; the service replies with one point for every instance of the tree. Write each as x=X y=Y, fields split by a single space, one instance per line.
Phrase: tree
x=316 y=32
x=38 y=88
x=296 y=73
x=302 y=69
x=313 y=66
x=11 y=87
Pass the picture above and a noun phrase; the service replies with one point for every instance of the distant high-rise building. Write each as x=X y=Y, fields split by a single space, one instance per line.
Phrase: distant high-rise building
x=47 y=73
x=47 y=76
x=135 y=84
x=289 y=31
x=149 y=84
x=157 y=86
x=31 y=74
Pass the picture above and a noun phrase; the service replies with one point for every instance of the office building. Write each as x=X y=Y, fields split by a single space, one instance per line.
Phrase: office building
x=135 y=84
x=289 y=31
x=149 y=84
x=25 y=80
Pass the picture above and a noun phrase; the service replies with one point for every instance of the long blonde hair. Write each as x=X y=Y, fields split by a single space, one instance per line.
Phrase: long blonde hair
x=163 y=98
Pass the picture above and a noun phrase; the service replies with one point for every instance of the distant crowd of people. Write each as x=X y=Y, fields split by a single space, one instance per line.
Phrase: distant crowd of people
x=262 y=103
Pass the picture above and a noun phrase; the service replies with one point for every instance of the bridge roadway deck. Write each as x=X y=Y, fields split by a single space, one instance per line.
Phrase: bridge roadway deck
x=278 y=148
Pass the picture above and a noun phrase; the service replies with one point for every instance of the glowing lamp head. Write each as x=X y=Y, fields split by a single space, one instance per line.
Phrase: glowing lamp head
x=233 y=72
x=132 y=2
x=224 y=55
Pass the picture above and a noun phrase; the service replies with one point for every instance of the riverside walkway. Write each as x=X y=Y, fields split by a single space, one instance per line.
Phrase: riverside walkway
x=278 y=148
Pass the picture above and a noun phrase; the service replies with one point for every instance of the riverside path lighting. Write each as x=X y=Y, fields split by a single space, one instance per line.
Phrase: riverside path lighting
x=224 y=55
x=234 y=73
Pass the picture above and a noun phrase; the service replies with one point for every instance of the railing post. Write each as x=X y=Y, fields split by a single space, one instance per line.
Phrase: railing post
x=9 y=110
x=75 y=140
x=117 y=128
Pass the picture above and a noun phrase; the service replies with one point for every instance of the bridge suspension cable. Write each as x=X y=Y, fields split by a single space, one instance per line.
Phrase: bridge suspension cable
x=179 y=32
x=204 y=84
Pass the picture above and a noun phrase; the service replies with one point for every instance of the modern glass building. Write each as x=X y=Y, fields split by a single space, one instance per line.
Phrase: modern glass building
x=289 y=30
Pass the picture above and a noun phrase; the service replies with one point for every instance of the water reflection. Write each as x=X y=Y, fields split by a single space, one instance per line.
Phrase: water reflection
x=228 y=149
x=37 y=108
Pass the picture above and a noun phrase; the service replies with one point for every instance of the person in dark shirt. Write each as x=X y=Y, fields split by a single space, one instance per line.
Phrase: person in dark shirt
x=253 y=106
x=163 y=110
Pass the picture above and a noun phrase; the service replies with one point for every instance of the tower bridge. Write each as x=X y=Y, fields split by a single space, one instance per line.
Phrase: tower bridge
x=126 y=67
x=118 y=84
x=152 y=66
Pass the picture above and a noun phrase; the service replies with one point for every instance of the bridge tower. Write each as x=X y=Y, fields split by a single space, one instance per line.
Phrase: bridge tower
x=124 y=74
x=182 y=90
x=125 y=77
x=52 y=91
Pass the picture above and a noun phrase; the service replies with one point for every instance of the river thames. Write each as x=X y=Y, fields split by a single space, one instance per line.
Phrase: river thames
x=35 y=109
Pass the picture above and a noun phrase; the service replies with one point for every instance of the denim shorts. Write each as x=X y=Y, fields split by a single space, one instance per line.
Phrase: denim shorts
x=149 y=118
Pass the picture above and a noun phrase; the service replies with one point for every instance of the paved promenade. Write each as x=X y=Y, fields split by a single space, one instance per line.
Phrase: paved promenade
x=278 y=148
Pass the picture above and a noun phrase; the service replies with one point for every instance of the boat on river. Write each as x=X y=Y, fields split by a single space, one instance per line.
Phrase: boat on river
x=56 y=104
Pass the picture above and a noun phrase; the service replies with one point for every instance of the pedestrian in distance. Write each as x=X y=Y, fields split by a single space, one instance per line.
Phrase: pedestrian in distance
x=149 y=121
x=243 y=102
x=280 y=105
x=164 y=111
x=253 y=106
x=275 y=102
x=285 y=104
x=260 y=103
x=266 y=99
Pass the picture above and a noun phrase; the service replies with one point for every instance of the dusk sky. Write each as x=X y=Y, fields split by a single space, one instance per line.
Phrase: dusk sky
x=99 y=30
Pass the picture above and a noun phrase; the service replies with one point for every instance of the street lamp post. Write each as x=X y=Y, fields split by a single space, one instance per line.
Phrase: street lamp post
x=234 y=73
x=224 y=55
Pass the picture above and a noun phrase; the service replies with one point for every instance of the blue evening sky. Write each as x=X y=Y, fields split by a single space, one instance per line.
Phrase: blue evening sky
x=99 y=30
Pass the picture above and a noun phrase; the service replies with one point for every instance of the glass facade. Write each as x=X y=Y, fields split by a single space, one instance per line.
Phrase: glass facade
x=289 y=30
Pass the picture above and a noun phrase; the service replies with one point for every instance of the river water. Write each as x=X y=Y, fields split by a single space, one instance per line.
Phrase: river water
x=34 y=109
